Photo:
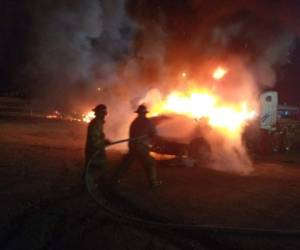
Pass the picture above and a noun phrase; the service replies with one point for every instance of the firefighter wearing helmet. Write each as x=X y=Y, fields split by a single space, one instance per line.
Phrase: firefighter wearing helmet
x=139 y=150
x=96 y=141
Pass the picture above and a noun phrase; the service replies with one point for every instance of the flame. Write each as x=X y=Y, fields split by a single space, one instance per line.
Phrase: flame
x=219 y=73
x=87 y=117
x=197 y=104
x=54 y=115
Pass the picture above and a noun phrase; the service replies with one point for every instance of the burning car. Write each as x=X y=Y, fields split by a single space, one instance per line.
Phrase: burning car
x=190 y=142
x=195 y=128
x=197 y=123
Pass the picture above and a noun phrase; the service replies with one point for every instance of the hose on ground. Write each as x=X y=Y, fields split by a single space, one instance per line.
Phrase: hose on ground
x=106 y=205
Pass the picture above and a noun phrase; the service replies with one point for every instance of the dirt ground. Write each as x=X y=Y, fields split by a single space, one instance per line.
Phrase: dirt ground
x=44 y=206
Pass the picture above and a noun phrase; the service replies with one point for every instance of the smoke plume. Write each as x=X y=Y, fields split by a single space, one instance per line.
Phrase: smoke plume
x=75 y=47
x=253 y=39
x=194 y=32
x=78 y=46
x=83 y=52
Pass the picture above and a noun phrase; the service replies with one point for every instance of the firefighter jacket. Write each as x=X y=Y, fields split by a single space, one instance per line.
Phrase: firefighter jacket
x=141 y=126
x=95 y=140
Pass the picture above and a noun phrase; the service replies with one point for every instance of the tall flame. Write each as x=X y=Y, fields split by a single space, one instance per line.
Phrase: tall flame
x=203 y=104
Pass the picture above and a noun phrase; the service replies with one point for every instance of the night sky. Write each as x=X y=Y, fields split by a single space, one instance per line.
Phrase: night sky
x=15 y=31
x=289 y=84
x=19 y=30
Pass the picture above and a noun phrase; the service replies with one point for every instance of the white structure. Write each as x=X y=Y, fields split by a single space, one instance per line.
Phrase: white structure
x=268 y=109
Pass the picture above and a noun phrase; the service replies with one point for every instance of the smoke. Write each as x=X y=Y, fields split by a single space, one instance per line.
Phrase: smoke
x=61 y=51
x=253 y=39
x=75 y=48
x=127 y=48
x=228 y=154
x=194 y=32
x=79 y=45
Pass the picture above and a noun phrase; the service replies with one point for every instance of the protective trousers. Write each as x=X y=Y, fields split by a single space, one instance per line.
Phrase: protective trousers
x=96 y=169
x=140 y=154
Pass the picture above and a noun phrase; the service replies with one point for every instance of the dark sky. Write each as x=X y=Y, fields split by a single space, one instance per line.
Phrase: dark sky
x=289 y=85
x=16 y=29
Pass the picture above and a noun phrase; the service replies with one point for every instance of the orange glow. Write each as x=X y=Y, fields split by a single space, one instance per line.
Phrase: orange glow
x=219 y=73
x=55 y=115
x=87 y=117
x=226 y=117
x=52 y=117
x=183 y=74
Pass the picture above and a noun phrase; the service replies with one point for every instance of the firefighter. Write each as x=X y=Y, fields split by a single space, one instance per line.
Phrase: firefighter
x=139 y=149
x=96 y=142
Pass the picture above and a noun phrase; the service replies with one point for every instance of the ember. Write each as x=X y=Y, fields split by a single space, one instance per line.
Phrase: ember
x=219 y=73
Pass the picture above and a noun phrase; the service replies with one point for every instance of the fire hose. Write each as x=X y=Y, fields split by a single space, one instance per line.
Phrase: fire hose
x=127 y=140
x=106 y=205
